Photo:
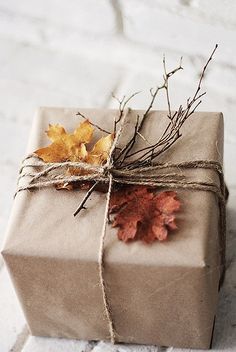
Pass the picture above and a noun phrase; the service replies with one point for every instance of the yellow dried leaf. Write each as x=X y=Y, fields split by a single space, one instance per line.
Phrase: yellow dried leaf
x=100 y=151
x=55 y=132
x=84 y=132
x=65 y=146
x=72 y=147
x=54 y=153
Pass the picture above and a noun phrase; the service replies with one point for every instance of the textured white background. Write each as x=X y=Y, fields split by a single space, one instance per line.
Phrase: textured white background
x=75 y=53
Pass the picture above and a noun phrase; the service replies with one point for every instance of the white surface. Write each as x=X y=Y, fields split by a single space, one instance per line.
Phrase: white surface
x=12 y=321
x=44 y=344
x=75 y=53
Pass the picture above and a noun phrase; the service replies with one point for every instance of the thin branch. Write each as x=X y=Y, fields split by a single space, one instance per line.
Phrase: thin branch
x=166 y=80
x=122 y=105
x=143 y=138
x=87 y=195
x=204 y=71
x=132 y=141
x=91 y=123
x=154 y=95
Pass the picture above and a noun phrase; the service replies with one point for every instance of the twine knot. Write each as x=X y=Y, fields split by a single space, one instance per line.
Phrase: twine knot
x=107 y=169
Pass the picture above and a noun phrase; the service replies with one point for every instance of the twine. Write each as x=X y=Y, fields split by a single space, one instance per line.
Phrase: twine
x=101 y=267
x=52 y=174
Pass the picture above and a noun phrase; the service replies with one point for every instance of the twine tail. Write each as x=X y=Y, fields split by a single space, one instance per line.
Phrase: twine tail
x=108 y=165
x=101 y=266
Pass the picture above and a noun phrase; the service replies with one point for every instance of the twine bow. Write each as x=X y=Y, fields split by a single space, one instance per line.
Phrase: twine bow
x=49 y=174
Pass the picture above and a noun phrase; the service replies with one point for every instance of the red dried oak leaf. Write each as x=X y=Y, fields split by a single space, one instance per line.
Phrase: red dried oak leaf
x=142 y=214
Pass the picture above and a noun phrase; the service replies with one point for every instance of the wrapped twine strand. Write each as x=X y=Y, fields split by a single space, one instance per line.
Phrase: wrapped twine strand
x=52 y=173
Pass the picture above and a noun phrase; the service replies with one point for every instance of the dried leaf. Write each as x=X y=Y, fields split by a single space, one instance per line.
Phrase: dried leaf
x=141 y=214
x=65 y=146
x=100 y=151
x=72 y=147
x=55 y=132
x=84 y=132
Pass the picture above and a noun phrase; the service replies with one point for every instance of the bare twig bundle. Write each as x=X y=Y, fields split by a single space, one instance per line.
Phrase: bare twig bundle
x=145 y=156
x=126 y=159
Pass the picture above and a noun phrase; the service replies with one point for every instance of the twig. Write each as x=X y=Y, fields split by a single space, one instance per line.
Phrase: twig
x=122 y=105
x=166 y=80
x=204 y=71
x=93 y=124
x=131 y=143
x=143 y=138
x=81 y=205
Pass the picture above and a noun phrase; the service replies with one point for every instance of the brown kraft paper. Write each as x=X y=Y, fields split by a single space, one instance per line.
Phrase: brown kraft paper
x=164 y=293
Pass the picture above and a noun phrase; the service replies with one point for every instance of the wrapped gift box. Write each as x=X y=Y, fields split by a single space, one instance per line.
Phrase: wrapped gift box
x=164 y=293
